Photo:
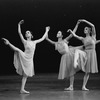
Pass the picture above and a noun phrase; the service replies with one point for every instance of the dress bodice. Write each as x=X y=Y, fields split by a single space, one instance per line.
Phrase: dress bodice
x=29 y=47
x=89 y=43
x=62 y=46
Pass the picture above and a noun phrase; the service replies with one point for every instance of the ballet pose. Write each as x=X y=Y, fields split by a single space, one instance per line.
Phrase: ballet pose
x=23 y=61
x=89 y=47
x=68 y=67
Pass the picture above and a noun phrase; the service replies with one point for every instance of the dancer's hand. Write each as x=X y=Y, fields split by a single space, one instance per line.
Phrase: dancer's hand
x=69 y=30
x=5 y=41
x=79 y=21
x=21 y=22
x=47 y=28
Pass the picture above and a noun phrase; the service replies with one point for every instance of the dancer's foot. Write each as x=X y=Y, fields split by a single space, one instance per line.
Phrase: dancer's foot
x=24 y=92
x=85 y=89
x=69 y=89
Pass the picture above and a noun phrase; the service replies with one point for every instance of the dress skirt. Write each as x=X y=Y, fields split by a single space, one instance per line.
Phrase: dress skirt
x=91 y=64
x=23 y=63
x=67 y=64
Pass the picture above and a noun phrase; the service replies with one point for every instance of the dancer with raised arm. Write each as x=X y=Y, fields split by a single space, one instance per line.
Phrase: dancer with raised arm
x=89 y=47
x=23 y=61
x=67 y=65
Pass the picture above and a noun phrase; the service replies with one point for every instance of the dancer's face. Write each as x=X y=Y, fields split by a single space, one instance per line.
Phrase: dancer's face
x=87 y=30
x=28 y=34
x=59 y=34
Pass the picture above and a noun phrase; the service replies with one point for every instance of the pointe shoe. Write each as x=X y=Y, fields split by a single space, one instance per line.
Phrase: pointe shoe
x=24 y=92
x=85 y=89
x=69 y=89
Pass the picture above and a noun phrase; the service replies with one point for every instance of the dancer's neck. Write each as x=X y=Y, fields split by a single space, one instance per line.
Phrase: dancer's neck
x=60 y=39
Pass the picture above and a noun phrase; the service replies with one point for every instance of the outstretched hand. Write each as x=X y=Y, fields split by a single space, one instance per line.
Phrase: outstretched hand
x=80 y=20
x=47 y=28
x=21 y=22
x=69 y=30
x=5 y=41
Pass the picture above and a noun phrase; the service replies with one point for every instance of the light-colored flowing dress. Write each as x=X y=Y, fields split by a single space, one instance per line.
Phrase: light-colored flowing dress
x=91 y=64
x=67 y=67
x=23 y=61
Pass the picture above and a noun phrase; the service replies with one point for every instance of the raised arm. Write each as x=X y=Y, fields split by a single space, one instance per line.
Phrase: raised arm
x=92 y=25
x=44 y=36
x=97 y=41
x=69 y=37
x=83 y=20
x=79 y=47
x=19 y=31
x=76 y=36
x=75 y=29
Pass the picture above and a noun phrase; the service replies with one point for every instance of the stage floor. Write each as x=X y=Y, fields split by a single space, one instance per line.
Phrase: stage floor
x=48 y=87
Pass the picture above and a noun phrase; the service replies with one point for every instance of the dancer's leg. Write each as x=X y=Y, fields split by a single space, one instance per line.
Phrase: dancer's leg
x=86 y=77
x=13 y=47
x=71 y=84
x=24 y=79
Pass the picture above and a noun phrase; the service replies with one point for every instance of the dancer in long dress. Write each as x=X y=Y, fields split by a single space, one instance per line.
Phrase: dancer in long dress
x=67 y=68
x=23 y=61
x=89 y=47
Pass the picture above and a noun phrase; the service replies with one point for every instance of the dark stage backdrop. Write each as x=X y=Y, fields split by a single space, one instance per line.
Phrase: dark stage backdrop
x=37 y=14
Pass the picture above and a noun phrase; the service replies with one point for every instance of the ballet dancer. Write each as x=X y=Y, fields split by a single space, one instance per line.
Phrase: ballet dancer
x=89 y=47
x=23 y=61
x=68 y=64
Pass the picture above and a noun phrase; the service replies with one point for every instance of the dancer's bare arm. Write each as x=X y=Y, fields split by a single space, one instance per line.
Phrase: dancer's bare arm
x=50 y=41
x=76 y=36
x=92 y=25
x=69 y=37
x=74 y=31
x=98 y=41
x=44 y=36
x=19 y=31
x=80 y=47
x=76 y=27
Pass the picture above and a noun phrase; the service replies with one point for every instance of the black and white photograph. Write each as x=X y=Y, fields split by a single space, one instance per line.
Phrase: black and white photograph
x=49 y=49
